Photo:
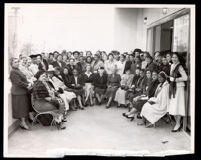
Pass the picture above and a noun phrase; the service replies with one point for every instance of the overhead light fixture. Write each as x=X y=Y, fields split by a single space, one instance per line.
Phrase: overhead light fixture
x=145 y=20
x=164 y=10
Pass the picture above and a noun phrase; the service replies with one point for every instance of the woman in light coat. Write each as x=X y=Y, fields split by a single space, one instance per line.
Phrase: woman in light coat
x=156 y=107
x=126 y=83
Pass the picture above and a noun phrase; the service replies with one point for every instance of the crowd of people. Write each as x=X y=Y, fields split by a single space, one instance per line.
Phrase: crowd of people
x=150 y=87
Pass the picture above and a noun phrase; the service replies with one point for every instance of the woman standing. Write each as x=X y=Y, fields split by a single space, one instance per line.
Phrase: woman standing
x=20 y=94
x=97 y=63
x=121 y=64
x=177 y=96
x=113 y=83
x=109 y=64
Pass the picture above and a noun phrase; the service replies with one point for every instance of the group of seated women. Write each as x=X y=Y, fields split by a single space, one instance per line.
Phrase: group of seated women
x=150 y=87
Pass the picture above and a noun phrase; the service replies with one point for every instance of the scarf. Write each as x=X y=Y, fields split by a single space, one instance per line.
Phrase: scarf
x=173 y=86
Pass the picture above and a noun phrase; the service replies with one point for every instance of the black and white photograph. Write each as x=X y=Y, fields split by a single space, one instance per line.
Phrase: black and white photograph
x=99 y=79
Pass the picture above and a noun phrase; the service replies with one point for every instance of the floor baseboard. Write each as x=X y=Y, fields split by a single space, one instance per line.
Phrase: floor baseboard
x=13 y=127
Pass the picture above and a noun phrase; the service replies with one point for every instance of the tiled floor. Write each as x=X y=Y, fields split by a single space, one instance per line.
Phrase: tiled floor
x=97 y=128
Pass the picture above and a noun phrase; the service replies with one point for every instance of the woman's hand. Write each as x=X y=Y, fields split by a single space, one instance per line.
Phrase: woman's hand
x=171 y=79
x=29 y=87
x=48 y=98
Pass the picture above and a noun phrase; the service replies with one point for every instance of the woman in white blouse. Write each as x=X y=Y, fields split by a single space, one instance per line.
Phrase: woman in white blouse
x=121 y=64
x=176 y=93
x=109 y=64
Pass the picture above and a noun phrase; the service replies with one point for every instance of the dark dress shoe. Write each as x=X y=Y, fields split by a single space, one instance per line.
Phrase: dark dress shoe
x=124 y=114
x=131 y=118
x=107 y=107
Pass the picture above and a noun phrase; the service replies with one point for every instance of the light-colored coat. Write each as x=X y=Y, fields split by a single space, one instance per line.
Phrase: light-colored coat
x=153 y=112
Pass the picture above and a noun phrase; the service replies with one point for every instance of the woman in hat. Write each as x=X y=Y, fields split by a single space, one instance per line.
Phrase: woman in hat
x=21 y=103
x=57 y=80
x=156 y=107
x=45 y=98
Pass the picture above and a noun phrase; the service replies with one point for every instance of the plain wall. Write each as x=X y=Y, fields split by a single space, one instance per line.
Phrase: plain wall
x=130 y=31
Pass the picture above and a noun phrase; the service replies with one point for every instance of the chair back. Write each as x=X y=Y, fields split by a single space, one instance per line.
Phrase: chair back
x=32 y=103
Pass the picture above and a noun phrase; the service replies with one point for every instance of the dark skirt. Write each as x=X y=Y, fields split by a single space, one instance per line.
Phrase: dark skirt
x=21 y=105
x=111 y=91
x=139 y=104
x=99 y=90
x=78 y=92
x=131 y=95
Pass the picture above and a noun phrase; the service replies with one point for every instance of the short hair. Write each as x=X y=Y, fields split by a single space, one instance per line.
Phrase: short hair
x=12 y=60
x=123 y=55
x=111 y=54
x=55 y=52
x=72 y=59
x=51 y=54
x=76 y=52
x=137 y=50
x=150 y=57
x=155 y=71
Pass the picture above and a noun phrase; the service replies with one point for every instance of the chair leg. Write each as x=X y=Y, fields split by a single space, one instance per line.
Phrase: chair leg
x=34 y=120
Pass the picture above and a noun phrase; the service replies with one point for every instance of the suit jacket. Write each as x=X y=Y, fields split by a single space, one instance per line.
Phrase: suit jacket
x=46 y=64
x=100 y=82
x=79 y=81
x=70 y=69
x=56 y=64
x=19 y=82
x=127 y=66
x=151 y=67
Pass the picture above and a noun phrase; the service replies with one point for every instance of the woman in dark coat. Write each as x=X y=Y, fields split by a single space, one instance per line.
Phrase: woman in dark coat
x=100 y=84
x=71 y=66
x=45 y=98
x=76 y=84
x=21 y=103
x=113 y=83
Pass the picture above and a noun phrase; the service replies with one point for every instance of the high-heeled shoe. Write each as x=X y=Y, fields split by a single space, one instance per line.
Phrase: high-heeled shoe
x=124 y=114
x=177 y=130
x=150 y=125
x=60 y=126
x=24 y=127
x=131 y=118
